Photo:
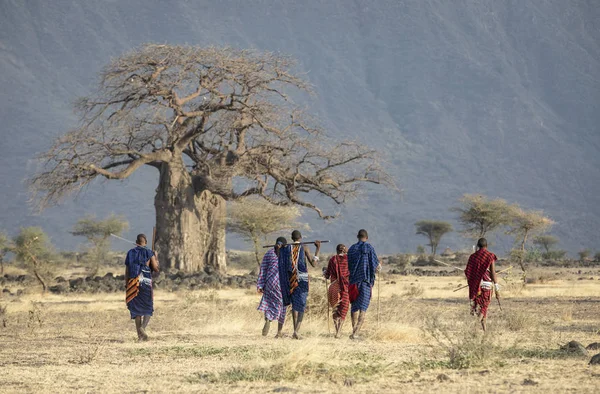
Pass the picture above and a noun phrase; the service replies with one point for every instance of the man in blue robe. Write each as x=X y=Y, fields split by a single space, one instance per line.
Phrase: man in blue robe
x=362 y=264
x=139 y=264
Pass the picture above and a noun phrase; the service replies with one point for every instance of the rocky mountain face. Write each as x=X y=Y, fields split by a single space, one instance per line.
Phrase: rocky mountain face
x=486 y=96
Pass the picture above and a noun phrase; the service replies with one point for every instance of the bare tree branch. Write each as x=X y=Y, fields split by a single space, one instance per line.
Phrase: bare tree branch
x=228 y=111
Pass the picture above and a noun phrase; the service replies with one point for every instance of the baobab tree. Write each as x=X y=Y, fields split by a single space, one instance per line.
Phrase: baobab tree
x=218 y=124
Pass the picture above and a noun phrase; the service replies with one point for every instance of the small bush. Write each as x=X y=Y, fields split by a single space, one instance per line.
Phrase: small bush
x=465 y=345
x=517 y=255
x=539 y=277
x=584 y=254
x=401 y=261
x=533 y=256
x=87 y=355
x=414 y=291
x=557 y=255
x=35 y=317
x=567 y=314
x=519 y=321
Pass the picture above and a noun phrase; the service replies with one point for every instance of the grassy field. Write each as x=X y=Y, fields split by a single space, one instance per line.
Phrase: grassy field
x=209 y=341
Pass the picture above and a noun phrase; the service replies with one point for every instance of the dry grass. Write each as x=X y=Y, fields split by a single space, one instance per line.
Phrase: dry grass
x=209 y=341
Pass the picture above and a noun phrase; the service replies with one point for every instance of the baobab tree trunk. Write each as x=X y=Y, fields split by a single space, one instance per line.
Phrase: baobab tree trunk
x=190 y=224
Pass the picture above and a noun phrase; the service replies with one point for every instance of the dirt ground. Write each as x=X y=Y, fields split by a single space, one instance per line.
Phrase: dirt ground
x=209 y=341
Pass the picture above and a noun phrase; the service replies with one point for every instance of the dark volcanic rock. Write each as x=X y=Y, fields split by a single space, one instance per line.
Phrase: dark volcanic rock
x=76 y=283
x=593 y=346
x=575 y=348
x=595 y=360
x=59 y=288
x=529 y=382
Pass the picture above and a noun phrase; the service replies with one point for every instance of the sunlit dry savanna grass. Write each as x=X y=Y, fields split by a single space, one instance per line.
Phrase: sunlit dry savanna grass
x=209 y=341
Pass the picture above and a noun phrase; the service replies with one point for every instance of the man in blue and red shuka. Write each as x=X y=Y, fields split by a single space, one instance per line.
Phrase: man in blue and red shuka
x=293 y=275
x=139 y=265
x=362 y=264
x=481 y=277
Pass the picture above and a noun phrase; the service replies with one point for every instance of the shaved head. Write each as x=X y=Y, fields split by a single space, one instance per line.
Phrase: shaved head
x=482 y=243
x=296 y=236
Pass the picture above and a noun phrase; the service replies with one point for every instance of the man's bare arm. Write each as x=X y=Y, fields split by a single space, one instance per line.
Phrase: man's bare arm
x=154 y=264
x=310 y=259
x=493 y=271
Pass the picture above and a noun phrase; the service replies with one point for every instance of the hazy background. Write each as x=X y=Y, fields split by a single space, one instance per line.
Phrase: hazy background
x=490 y=96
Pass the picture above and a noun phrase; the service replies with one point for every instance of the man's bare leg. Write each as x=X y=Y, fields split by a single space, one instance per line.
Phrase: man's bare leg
x=483 y=325
x=294 y=319
x=359 y=323
x=142 y=336
x=265 y=330
x=279 y=330
x=297 y=323
x=338 y=328
x=145 y=322
x=354 y=318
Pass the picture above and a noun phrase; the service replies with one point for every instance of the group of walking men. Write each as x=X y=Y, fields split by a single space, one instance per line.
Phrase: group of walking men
x=283 y=281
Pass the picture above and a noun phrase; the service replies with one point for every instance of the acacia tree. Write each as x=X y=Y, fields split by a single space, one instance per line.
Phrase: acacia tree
x=524 y=224
x=545 y=241
x=480 y=215
x=98 y=234
x=434 y=230
x=584 y=254
x=218 y=125
x=255 y=219
x=32 y=247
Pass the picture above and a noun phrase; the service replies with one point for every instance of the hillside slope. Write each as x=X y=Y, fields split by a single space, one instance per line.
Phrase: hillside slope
x=498 y=97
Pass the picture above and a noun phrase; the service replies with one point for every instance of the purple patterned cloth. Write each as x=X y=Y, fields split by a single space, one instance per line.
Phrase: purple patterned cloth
x=268 y=280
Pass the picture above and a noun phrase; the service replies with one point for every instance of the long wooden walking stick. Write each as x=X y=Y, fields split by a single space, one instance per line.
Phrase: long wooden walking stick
x=378 y=293
x=327 y=301
x=499 y=272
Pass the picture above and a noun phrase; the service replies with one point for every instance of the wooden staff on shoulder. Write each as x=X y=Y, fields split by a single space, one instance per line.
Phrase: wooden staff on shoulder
x=298 y=243
x=499 y=272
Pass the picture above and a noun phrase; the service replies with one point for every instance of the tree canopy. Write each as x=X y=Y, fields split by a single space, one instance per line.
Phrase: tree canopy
x=255 y=219
x=480 y=215
x=98 y=234
x=545 y=241
x=225 y=111
x=434 y=230
x=32 y=247
x=525 y=224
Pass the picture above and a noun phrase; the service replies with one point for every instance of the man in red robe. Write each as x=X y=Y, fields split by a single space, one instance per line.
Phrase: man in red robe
x=337 y=272
x=481 y=277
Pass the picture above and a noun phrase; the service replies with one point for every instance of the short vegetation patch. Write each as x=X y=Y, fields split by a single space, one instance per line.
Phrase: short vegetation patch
x=282 y=372
x=462 y=342
x=239 y=352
